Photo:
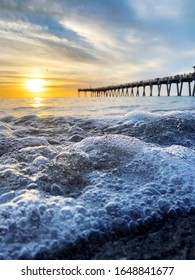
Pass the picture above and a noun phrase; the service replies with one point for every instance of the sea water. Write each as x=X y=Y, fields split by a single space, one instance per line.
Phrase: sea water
x=92 y=107
x=84 y=170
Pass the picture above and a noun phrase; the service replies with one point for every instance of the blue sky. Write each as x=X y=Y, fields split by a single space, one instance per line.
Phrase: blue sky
x=73 y=43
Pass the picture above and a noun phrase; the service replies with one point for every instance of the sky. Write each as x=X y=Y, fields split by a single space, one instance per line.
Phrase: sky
x=71 y=44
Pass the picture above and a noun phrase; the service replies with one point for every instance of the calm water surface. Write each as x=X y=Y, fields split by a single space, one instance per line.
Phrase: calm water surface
x=93 y=107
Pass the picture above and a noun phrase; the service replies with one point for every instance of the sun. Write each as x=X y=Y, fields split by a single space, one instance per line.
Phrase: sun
x=35 y=85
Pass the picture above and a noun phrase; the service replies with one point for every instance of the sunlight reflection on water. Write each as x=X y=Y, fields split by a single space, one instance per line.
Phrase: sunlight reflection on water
x=38 y=102
x=92 y=107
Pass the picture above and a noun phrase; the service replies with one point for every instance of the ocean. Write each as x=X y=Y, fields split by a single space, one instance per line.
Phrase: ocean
x=97 y=178
x=93 y=107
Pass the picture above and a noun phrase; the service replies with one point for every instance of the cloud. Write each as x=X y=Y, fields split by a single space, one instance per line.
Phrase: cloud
x=22 y=34
x=165 y=9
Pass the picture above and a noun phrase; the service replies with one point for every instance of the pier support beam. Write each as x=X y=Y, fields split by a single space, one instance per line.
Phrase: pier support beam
x=137 y=93
x=132 y=94
x=159 y=89
x=189 y=87
x=127 y=92
x=179 y=88
x=168 y=88
x=144 y=91
x=151 y=87
x=193 y=93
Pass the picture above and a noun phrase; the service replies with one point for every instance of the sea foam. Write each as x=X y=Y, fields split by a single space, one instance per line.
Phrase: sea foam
x=66 y=179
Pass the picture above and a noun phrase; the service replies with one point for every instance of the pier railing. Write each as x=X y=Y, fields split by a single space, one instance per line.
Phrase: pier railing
x=133 y=89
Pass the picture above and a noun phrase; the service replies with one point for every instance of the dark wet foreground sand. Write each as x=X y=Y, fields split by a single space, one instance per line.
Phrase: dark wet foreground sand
x=170 y=239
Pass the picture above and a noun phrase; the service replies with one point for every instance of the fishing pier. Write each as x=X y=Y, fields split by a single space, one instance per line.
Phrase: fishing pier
x=139 y=88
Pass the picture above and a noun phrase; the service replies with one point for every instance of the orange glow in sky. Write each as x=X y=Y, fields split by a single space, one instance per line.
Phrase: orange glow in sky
x=36 y=85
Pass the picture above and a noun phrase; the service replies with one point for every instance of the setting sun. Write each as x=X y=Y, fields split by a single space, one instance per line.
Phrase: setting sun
x=35 y=85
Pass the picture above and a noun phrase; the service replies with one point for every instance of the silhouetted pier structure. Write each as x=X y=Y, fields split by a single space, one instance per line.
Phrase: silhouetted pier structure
x=133 y=89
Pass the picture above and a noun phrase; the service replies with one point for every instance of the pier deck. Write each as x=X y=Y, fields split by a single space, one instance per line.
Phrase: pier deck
x=133 y=89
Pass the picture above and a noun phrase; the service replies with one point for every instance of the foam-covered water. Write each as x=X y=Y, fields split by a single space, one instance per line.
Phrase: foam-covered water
x=66 y=178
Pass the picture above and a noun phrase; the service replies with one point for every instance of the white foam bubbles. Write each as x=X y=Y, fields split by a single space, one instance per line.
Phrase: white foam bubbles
x=100 y=184
x=139 y=117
